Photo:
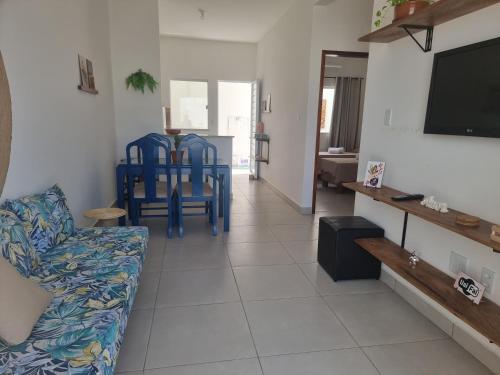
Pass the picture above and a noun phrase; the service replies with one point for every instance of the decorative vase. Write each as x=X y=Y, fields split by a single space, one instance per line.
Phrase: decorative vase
x=409 y=8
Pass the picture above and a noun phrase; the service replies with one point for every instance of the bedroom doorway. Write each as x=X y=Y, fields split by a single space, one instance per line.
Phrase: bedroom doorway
x=340 y=115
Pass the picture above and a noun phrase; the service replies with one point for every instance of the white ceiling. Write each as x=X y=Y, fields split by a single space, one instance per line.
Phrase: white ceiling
x=229 y=20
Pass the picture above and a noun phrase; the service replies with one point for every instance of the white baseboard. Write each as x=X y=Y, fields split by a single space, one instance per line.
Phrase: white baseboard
x=472 y=341
x=291 y=202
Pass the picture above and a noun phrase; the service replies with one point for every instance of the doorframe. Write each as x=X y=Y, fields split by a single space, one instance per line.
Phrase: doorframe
x=324 y=54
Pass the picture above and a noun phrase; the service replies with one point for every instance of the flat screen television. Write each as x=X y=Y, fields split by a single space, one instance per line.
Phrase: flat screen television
x=464 y=97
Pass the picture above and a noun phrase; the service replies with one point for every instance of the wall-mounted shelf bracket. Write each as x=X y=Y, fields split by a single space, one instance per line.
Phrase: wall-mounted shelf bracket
x=428 y=39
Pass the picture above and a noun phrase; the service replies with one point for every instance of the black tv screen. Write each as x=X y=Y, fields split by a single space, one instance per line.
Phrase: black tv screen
x=464 y=97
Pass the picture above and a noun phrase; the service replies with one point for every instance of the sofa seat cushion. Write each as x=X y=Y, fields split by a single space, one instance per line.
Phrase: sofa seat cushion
x=46 y=217
x=93 y=277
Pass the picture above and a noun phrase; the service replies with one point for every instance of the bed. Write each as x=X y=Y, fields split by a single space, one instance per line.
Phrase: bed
x=338 y=170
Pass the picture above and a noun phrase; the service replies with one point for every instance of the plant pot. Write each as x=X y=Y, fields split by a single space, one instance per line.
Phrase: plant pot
x=409 y=8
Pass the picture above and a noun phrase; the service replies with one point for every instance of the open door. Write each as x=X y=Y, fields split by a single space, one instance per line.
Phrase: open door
x=255 y=118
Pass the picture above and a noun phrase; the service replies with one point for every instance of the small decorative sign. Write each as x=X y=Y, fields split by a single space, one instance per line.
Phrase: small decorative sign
x=469 y=287
x=374 y=174
x=87 y=79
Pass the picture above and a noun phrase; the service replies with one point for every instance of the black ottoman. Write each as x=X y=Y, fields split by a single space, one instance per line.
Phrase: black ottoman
x=339 y=255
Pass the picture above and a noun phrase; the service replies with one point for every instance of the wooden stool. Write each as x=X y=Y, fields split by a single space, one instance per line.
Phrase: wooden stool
x=107 y=216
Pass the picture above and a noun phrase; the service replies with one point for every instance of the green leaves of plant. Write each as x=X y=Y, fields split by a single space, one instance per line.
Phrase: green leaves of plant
x=140 y=80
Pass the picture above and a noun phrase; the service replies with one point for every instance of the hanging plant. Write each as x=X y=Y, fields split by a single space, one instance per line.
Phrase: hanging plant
x=140 y=80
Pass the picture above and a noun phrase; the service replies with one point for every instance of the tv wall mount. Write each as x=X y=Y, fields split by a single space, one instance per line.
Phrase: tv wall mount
x=411 y=29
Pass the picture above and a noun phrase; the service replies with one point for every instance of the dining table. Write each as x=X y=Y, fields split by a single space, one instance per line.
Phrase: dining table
x=223 y=178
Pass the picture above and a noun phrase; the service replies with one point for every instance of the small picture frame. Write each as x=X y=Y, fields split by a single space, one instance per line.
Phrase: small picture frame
x=374 y=174
x=84 y=77
x=87 y=78
x=469 y=287
x=266 y=104
x=90 y=75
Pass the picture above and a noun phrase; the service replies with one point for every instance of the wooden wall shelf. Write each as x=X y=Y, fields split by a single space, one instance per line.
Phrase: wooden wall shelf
x=479 y=234
x=436 y=14
x=484 y=318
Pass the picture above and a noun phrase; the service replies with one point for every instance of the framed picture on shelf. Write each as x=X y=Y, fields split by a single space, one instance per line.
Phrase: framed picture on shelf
x=374 y=174
x=87 y=79
x=266 y=104
x=90 y=75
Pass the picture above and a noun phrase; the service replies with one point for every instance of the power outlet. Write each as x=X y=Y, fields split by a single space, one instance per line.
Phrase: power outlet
x=458 y=263
x=388 y=117
x=488 y=279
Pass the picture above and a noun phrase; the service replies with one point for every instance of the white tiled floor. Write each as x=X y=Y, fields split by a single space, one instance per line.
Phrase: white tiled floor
x=255 y=302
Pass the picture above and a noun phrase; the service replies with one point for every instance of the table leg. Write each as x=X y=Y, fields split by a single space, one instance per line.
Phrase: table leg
x=221 y=195
x=227 y=200
x=120 y=196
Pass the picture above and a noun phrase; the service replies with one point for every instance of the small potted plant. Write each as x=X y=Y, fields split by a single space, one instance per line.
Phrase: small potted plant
x=402 y=9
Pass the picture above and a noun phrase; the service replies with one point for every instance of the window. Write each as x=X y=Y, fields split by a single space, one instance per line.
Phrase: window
x=327 y=109
x=189 y=104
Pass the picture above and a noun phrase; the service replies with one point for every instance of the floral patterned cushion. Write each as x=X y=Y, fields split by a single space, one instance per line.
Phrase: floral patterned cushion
x=45 y=216
x=93 y=277
x=15 y=245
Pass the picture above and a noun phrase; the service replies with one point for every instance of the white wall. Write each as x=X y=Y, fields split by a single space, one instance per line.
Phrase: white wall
x=183 y=58
x=60 y=134
x=458 y=170
x=283 y=66
x=289 y=62
x=135 y=44
x=336 y=27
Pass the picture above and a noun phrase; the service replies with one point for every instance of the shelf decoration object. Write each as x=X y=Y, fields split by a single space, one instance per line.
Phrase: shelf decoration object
x=469 y=287
x=140 y=80
x=402 y=9
x=495 y=233
x=87 y=78
x=374 y=174
x=266 y=104
x=425 y=20
x=5 y=124
x=468 y=221
x=414 y=259
x=430 y=202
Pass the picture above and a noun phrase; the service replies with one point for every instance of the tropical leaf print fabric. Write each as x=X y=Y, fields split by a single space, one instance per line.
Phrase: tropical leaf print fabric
x=93 y=276
x=15 y=245
x=45 y=216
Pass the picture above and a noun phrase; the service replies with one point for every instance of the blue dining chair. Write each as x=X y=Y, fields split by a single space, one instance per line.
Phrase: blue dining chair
x=150 y=189
x=197 y=189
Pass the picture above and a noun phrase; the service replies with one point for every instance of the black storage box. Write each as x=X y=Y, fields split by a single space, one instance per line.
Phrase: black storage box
x=339 y=255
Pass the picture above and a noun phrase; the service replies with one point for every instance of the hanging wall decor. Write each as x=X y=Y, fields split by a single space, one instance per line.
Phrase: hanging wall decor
x=140 y=80
x=5 y=124
x=87 y=79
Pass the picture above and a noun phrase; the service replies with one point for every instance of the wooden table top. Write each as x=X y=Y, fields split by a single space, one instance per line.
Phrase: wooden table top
x=105 y=213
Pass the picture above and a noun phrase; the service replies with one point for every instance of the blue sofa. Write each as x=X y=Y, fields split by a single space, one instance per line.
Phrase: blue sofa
x=93 y=275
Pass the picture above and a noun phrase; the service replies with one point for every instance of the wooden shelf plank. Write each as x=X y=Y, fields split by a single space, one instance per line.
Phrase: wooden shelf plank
x=484 y=318
x=481 y=234
x=435 y=14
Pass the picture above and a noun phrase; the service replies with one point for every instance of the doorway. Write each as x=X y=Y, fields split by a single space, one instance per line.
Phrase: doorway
x=339 y=119
x=234 y=119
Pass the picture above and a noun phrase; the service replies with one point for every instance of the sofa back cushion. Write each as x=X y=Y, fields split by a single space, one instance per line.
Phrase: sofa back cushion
x=46 y=217
x=15 y=245
x=23 y=302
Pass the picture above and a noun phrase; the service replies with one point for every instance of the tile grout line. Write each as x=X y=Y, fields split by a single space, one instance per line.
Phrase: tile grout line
x=154 y=307
x=245 y=313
